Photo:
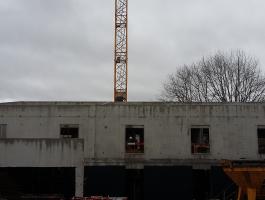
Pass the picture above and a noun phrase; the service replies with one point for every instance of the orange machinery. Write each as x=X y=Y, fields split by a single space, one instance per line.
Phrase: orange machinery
x=249 y=177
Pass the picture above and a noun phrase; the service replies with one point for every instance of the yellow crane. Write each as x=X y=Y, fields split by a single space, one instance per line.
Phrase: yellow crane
x=121 y=51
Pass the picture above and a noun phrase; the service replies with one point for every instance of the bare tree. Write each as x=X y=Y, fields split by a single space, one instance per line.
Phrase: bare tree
x=233 y=77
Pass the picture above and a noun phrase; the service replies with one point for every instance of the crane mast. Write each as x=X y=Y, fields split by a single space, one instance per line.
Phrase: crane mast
x=121 y=51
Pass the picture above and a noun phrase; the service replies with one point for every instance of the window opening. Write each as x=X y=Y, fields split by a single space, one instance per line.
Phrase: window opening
x=69 y=131
x=261 y=140
x=2 y=130
x=134 y=139
x=200 y=140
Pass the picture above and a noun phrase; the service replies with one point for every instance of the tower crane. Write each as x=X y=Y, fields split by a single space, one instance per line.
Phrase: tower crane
x=121 y=51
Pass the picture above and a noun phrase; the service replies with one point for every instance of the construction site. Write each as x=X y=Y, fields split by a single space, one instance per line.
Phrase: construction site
x=122 y=150
x=135 y=150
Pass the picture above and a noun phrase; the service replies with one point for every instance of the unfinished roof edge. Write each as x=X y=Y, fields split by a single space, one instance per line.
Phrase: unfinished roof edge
x=74 y=103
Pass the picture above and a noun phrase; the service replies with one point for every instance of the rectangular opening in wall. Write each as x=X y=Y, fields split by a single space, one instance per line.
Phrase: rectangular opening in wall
x=200 y=140
x=104 y=181
x=134 y=139
x=29 y=183
x=2 y=130
x=201 y=184
x=69 y=130
x=135 y=184
x=261 y=140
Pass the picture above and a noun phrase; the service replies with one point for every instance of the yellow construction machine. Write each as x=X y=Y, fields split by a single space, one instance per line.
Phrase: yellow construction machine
x=249 y=176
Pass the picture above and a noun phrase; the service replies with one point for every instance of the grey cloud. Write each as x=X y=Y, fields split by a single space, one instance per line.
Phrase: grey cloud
x=63 y=49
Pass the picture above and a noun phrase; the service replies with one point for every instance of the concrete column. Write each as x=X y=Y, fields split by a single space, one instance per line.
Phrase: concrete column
x=79 y=181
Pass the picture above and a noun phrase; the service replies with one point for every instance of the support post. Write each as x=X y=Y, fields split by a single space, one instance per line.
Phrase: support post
x=79 y=181
x=251 y=193
x=240 y=193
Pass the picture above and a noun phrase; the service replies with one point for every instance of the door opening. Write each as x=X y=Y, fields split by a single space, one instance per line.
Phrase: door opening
x=135 y=184
x=200 y=184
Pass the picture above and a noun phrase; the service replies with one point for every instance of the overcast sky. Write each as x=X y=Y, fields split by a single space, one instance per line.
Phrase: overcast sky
x=63 y=49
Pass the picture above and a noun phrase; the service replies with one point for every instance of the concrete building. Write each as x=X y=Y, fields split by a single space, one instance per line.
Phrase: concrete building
x=142 y=150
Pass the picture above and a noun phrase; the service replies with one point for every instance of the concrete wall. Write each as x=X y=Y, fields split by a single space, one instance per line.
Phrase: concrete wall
x=233 y=127
x=41 y=152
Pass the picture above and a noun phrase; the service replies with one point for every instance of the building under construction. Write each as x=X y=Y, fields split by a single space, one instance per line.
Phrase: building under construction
x=137 y=150
x=143 y=151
